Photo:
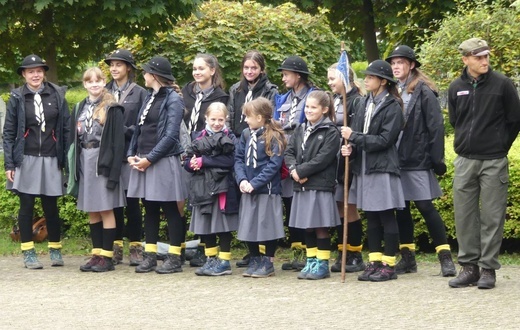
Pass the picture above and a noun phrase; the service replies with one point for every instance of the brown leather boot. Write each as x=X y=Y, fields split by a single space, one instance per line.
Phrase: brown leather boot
x=469 y=275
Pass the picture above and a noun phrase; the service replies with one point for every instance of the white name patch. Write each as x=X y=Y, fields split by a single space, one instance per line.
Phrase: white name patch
x=462 y=93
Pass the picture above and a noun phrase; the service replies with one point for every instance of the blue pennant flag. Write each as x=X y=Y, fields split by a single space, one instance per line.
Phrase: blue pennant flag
x=342 y=69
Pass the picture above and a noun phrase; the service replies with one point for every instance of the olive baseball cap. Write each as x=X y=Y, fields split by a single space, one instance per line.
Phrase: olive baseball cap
x=474 y=47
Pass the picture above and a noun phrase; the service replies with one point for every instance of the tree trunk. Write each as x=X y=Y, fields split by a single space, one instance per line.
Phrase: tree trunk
x=49 y=52
x=369 y=31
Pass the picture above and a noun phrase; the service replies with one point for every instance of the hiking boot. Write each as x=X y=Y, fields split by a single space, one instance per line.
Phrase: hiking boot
x=104 y=264
x=383 y=273
x=56 y=258
x=354 y=262
x=87 y=267
x=254 y=263
x=136 y=255
x=118 y=254
x=172 y=264
x=148 y=264
x=370 y=269
x=447 y=265
x=407 y=264
x=30 y=260
x=210 y=261
x=219 y=267
x=336 y=267
x=487 y=279
x=320 y=270
x=297 y=263
x=307 y=269
x=244 y=262
x=469 y=275
x=264 y=269
x=199 y=259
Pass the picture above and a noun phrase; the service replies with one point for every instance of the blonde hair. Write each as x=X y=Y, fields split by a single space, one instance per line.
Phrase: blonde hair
x=100 y=112
x=217 y=106
x=352 y=78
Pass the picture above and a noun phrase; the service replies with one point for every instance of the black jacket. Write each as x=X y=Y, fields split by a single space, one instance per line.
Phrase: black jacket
x=318 y=162
x=168 y=128
x=422 y=142
x=485 y=115
x=15 y=127
x=237 y=97
x=379 y=142
x=112 y=144
x=189 y=96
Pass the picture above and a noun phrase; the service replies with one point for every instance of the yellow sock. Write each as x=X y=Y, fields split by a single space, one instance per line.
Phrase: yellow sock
x=202 y=244
x=183 y=245
x=150 y=248
x=27 y=246
x=211 y=252
x=174 y=250
x=442 y=247
x=340 y=247
x=375 y=256
x=135 y=244
x=357 y=248
x=54 y=245
x=96 y=251
x=105 y=253
x=261 y=248
x=390 y=261
x=323 y=254
x=312 y=252
x=297 y=245
x=224 y=255
x=119 y=242
x=410 y=247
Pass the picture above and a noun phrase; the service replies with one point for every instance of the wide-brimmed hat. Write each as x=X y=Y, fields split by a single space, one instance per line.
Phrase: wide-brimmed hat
x=381 y=69
x=474 y=47
x=160 y=66
x=294 y=64
x=121 y=55
x=32 y=61
x=406 y=52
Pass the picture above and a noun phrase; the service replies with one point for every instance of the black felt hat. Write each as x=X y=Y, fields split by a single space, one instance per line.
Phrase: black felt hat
x=32 y=61
x=294 y=64
x=121 y=55
x=159 y=66
x=380 y=69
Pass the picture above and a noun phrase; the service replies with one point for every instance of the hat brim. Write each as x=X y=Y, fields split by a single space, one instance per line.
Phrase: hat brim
x=107 y=61
x=370 y=73
x=417 y=63
x=151 y=70
x=292 y=70
x=23 y=67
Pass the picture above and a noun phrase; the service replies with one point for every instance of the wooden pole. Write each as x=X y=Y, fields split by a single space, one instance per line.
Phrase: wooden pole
x=345 y=184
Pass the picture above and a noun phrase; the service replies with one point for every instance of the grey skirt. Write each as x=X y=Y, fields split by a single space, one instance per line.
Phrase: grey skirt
x=163 y=181
x=93 y=195
x=38 y=176
x=376 y=192
x=216 y=222
x=260 y=218
x=314 y=209
x=420 y=185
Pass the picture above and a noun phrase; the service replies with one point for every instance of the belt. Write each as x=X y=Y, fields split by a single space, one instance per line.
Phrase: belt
x=90 y=145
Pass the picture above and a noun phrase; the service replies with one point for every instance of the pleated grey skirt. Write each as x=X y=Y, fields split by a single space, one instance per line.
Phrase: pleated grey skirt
x=93 y=195
x=38 y=176
x=260 y=218
x=216 y=222
x=163 y=181
x=420 y=185
x=314 y=209
x=339 y=193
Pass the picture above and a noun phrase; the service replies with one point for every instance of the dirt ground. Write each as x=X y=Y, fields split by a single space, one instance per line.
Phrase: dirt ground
x=65 y=298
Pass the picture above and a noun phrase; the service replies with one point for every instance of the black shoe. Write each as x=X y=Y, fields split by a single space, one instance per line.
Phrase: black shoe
x=104 y=264
x=148 y=264
x=487 y=279
x=336 y=267
x=447 y=265
x=172 y=264
x=407 y=264
x=199 y=259
x=244 y=262
x=87 y=267
x=383 y=273
x=298 y=262
x=370 y=269
x=118 y=254
x=469 y=275
x=354 y=262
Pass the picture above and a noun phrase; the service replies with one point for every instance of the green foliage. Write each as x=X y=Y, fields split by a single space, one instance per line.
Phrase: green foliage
x=229 y=29
x=498 y=23
x=75 y=95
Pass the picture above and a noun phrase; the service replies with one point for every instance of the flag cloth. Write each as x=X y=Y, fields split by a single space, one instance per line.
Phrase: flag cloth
x=342 y=69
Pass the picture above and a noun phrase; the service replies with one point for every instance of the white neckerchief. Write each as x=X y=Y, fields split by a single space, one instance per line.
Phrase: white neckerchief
x=252 y=149
x=38 y=110
x=147 y=108
x=192 y=125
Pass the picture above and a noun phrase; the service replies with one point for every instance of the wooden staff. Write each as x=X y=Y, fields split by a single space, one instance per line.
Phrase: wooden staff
x=345 y=183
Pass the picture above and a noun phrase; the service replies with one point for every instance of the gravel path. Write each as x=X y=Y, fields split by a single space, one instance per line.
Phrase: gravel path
x=65 y=298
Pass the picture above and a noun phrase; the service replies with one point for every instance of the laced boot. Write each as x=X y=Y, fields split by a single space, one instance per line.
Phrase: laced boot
x=307 y=269
x=104 y=264
x=87 y=267
x=118 y=254
x=264 y=269
x=148 y=264
x=487 y=279
x=447 y=265
x=172 y=264
x=254 y=263
x=354 y=262
x=383 y=273
x=30 y=260
x=468 y=275
x=407 y=264
x=207 y=265
x=199 y=259
x=298 y=260
x=319 y=271
x=336 y=267
x=56 y=258
x=219 y=267
x=370 y=269
x=244 y=262
x=136 y=255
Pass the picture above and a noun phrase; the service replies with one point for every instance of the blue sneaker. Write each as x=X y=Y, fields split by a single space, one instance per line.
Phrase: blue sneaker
x=30 y=260
x=56 y=258
x=265 y=269
x=307 y=269
x=210 y=261
x=254 y=263
x=220 y=267
x=319 y=271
